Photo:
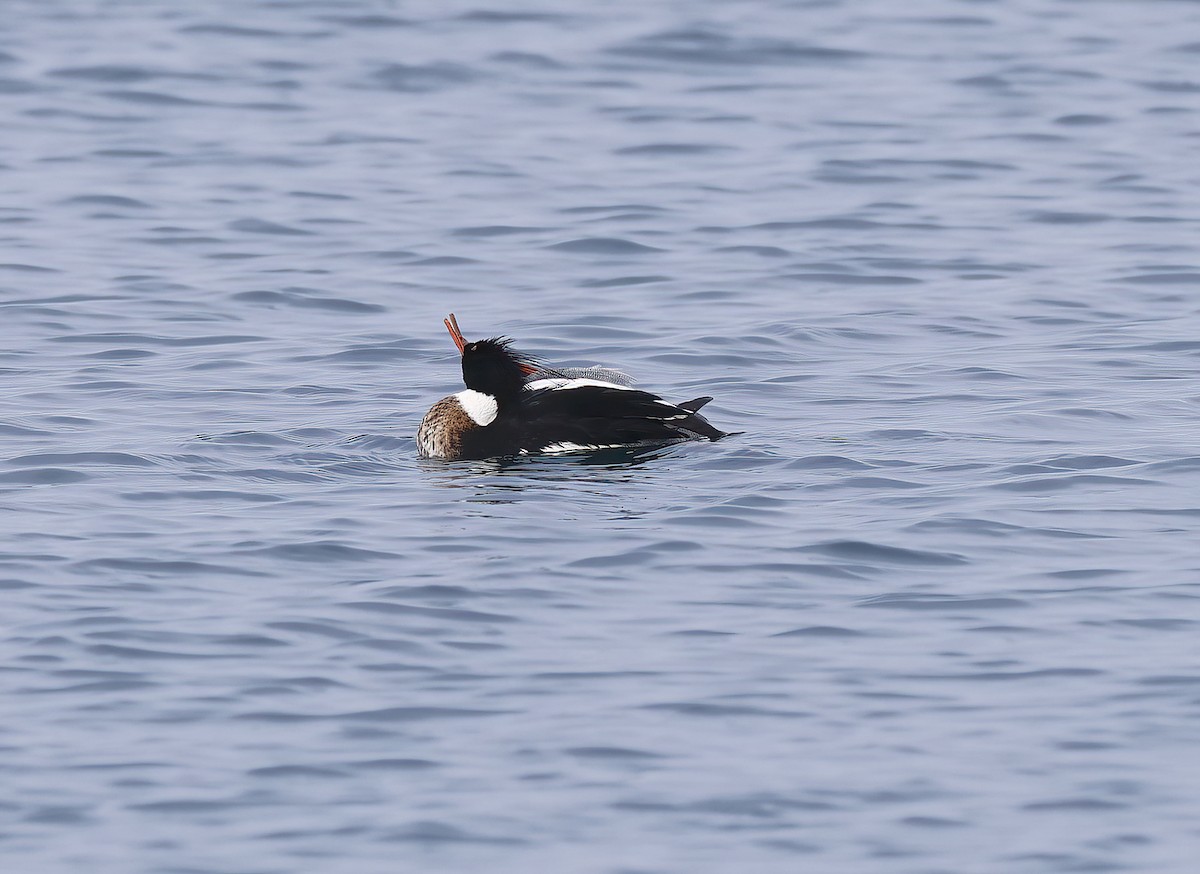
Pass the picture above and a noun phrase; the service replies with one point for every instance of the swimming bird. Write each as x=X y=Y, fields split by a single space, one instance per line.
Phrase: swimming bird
x=512 y=406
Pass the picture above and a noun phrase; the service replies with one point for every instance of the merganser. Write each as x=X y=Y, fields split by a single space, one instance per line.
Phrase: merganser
x=511 y=406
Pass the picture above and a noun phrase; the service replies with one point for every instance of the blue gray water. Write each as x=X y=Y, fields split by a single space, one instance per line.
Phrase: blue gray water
x=935 y=612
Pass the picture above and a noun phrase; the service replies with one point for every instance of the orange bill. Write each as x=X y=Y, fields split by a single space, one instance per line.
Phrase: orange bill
x=455 y=334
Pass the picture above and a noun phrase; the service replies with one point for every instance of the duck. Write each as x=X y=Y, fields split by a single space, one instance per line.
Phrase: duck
x=513 y=406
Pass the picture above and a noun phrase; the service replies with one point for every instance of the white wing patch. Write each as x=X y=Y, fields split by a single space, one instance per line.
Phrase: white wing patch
x=567 y=446
x=560 y=384
x=482 y=408
x=671 y=406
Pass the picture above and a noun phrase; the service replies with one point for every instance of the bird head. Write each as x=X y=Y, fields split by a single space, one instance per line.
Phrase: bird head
x=491 y=366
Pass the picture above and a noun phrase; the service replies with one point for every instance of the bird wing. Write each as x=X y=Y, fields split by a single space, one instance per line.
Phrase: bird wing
x=584 y=413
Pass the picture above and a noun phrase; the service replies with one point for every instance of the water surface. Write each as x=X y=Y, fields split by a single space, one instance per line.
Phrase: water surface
x=933 y=613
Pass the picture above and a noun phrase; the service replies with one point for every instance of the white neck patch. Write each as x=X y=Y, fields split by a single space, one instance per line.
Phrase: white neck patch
x=482 y=408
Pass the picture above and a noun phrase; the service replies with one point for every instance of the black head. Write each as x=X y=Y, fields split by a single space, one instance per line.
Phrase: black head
x=492 y=367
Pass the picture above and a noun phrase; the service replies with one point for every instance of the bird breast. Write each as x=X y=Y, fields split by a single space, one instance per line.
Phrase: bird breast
x=442 y=429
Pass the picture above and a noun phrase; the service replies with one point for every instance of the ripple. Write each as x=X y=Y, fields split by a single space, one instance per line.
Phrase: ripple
x=44 y=476
x=668 y=150
x=308 y=299
x=1051 y=217
x=137 y=340
x=861 y=550
x=422 y=78
x=452 y=614
x=1090 y=462
x=217 y=29
x=382 y=715
x=433 y=832
x=110 y=200
x=853 y=279
x=114 y=459
x=1082 y=805
x=603 y=246
x=154 y=567
x=921 y=601
x=142 y=654
x=484 y=231
x=152 y=98
x=828 y=462
x=402 y=765
x=1059 y=483
x=321 y=551
x=26 y=268
x=820 y=631
x=765 y=805
x=201 y=495
x=371 y=22
x=1083 y=119
x=261 y=226
x=612 y=754
x=707 y=709
x=1005 y=676
x=619 y=281
x=702 y=46
x=303 y=772
x=1173 y=278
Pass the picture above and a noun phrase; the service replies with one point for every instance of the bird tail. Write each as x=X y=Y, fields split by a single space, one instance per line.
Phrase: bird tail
x=694 y=405
x=697 y=424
